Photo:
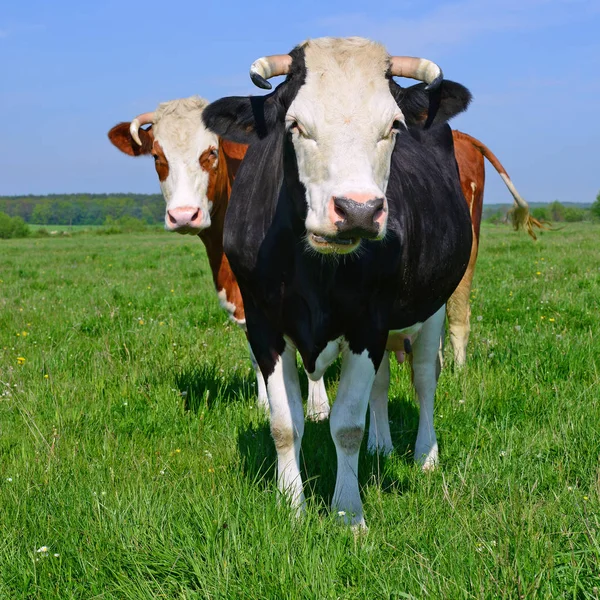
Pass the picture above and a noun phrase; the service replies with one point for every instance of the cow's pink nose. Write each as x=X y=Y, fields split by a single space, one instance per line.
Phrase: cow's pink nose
x=185 y=218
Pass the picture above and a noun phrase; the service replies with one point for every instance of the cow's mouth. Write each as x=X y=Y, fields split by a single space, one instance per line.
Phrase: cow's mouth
x=330 y=244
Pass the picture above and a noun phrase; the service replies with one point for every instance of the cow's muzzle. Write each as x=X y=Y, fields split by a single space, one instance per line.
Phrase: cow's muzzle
x=187 y=219
x=355 y=220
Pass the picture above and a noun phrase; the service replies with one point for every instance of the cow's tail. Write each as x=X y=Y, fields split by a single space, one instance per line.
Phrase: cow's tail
x=519 y=213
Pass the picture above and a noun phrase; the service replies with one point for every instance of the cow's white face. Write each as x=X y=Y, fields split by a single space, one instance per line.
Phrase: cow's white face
x=343 y=123
x=186 y=159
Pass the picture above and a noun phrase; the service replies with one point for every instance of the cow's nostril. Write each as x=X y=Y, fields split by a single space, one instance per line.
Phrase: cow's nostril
x=378 y=212
x=172 y=218
x=339 y=209
x=195 y=216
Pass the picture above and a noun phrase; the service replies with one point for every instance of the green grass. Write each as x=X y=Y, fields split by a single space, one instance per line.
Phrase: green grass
x=145 y=492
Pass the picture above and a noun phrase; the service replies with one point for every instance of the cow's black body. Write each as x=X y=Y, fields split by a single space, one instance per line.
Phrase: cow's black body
x=290 y=290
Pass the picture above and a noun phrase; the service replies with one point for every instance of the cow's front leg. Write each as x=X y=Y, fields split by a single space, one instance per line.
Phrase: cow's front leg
x=380 y=438
x=287 y=424
x=425 y=375
x=347 y=424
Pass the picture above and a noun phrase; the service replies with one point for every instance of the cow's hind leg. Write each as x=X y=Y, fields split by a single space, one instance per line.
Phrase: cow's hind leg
x=347 y=424
x=459 y=312
x=317 y=408
x=425 y=369
x=262 y=399
x=287 y=424
x=380 y=438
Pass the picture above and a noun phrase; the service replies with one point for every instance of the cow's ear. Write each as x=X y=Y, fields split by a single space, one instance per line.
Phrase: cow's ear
x=241 y=119
x=452 y=98
x=120 y=137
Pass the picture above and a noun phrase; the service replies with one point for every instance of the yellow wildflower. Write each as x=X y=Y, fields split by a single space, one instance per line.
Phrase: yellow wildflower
x=46 y=376
x=141 y=321
x=551 y=319
x=538 y=273
x=21 y=360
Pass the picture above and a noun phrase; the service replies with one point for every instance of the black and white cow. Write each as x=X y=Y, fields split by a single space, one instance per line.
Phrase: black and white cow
x=346 y=222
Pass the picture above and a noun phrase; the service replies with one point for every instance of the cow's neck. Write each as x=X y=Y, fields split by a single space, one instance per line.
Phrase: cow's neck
x=212 y=238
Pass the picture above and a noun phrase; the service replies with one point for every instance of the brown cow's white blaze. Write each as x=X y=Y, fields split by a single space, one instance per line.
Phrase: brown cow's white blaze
x=343 y=123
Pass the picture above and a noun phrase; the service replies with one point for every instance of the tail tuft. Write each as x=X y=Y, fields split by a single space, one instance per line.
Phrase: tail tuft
x=521 y=219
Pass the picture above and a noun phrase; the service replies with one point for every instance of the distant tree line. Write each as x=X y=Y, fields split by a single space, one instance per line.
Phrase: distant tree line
x=84 y=209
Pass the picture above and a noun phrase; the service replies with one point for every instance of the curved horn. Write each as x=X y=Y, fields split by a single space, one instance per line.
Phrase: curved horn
x=140 y=120
x=420 y=69
x=269 y=66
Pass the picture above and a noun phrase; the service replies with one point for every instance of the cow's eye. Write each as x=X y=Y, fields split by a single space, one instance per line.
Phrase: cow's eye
x=295 y=127
x=215 y=153
x=393 y=129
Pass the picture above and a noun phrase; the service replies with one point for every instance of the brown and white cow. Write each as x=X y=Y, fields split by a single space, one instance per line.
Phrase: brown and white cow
x=196 y=169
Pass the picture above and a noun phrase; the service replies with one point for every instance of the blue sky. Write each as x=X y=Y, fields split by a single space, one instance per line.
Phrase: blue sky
x=70 y=70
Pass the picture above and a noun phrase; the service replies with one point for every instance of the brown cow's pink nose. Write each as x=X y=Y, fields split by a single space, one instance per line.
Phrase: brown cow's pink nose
x=185 y=219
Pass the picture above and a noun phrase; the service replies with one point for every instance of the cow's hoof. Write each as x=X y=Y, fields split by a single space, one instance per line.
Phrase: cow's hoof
x=427 y=458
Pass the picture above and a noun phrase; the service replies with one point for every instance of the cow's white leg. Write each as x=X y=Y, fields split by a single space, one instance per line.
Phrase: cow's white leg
x=287 y=424
x=262 y=400
x=425 y=374
x=347 y=424
x=317 y=408
x=380 y=438
x=318 y=403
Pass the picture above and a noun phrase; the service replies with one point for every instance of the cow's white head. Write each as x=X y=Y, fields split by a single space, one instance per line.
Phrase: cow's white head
x=340 y=112
x=186 y=156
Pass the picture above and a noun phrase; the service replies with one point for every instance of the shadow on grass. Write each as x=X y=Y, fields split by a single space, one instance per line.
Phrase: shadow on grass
x=318 y=456
x=204 y=386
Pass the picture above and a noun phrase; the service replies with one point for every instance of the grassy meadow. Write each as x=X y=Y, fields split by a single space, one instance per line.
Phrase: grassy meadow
x=134 y=463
